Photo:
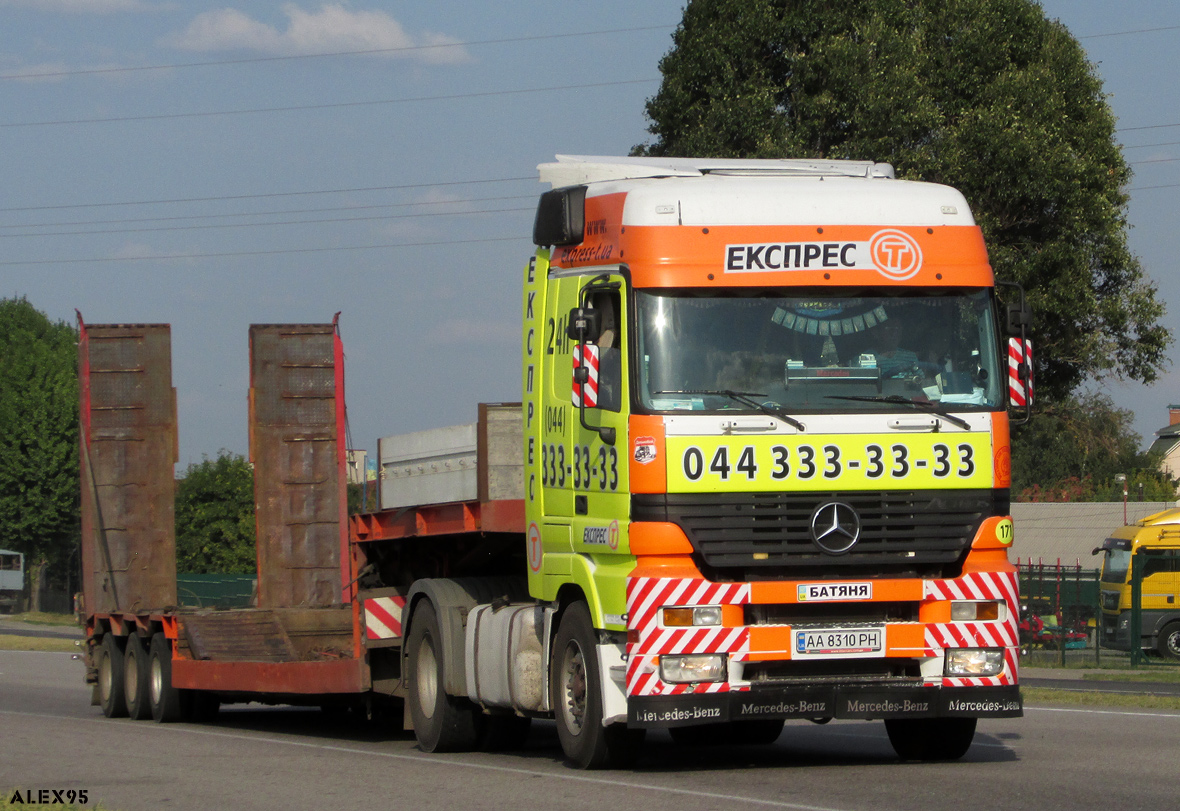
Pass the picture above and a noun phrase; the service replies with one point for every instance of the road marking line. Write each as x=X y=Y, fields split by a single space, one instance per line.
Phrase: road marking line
x=441 y=760
x=1105 y=712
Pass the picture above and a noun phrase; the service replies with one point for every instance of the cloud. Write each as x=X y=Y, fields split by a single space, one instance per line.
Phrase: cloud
x=85 y=6
x=333 y=28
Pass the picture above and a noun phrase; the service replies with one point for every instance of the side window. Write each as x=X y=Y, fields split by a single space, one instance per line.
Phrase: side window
x=610 y=355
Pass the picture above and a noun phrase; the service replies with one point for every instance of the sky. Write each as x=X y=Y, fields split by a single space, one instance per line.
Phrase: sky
x=213 y=166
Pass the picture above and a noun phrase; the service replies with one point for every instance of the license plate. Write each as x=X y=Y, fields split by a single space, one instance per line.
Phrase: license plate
x=826 y=643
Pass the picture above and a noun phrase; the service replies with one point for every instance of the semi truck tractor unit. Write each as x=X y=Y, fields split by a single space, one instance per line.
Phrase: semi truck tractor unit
x=1147 y=551
x=759 y=472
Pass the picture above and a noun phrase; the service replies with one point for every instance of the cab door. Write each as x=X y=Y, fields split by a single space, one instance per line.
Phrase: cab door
x=586 y=503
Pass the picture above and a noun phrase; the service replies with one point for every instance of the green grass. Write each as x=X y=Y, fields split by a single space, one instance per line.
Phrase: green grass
x=1045 y=695
x=1166 y=674
x=14 y=642
x=6 y=803
x=43 y=618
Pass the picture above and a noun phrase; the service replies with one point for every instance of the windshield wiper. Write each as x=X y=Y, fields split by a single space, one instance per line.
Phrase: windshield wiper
x=745 y=398
x=899 y=400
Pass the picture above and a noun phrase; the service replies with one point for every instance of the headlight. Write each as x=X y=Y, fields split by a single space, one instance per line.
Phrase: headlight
x=694 y=667
x=696 y=615
x=974 y=662
x=967 y=611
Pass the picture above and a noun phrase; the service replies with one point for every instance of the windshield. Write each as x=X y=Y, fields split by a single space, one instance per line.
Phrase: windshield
x=818 y=352
x=1114 y=569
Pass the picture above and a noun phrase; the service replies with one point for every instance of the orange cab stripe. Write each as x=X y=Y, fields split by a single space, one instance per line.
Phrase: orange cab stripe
x=658 y=538
x=647 y=458
x=672 y=256
x=1002 y=453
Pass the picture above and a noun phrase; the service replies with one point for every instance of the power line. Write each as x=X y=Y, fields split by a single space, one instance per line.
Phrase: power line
x=277 y=212
x=1148 y=188
x=277 y=252
x=1145 y=146
x=1136 y=31
x=333 y=106
x=1148 y=127
x=223 y=197
x=370 y=51
x=266 y=224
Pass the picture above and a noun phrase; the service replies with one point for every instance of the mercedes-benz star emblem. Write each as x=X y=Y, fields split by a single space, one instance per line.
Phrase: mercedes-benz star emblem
x=835 y=527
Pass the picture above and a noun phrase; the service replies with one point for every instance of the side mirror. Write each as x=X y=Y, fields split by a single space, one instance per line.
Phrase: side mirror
x=1019 y=317
x=584 y=325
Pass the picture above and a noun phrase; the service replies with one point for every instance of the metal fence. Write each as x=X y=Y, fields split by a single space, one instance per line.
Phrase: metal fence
x=1061 y=617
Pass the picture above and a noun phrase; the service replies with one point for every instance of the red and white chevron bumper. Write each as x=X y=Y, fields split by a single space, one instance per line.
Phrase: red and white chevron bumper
x=649 y=639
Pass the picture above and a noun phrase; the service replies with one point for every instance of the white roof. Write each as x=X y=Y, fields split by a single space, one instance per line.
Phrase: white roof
x=717 y=192
x=572 y=170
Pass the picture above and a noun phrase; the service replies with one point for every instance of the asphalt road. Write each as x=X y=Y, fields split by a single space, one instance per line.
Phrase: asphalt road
x=19 y=628
x=265 y=758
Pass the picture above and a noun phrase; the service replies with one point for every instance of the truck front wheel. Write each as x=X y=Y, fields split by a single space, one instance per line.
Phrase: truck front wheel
x=930 y=738
x=110 y=677
x=442 y=723
x=577 y=698
x=1168 y=644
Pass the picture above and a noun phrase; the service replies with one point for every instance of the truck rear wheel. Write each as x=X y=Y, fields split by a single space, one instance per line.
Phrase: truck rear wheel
x=166 y=701
x=110 y=677
x=930 y=738
x=442 y=723
x=1168 y=643
x=577 y=699
x=137 y=679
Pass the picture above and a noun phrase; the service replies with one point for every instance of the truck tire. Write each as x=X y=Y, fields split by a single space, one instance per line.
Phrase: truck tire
x=930 y=738
x=442 y=723
x=110 y=677
x=577 y=699
x=1168 y=642
x=167 y=703
x=137 y=679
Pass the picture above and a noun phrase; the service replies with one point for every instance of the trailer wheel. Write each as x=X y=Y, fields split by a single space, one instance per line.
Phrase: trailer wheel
x=110 y=677
x=166 y=701
x=442 y=723
x=1168 y=643
x=930 y=738
x=577 y=699
x=137 y=679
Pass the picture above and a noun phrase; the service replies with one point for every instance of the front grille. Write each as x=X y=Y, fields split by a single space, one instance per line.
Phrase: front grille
x=848 y=671
x=762 y=535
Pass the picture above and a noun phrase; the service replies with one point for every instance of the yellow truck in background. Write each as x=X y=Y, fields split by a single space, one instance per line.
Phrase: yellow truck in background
x=1154 y=540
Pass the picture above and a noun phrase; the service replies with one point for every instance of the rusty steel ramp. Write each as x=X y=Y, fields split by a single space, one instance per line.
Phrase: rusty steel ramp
x=298 y=449
x=128 y=444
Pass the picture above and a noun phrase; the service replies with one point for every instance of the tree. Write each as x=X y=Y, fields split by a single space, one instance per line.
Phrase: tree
x=39 y=494
x=1074 y=450
x=988 y=96
x=215 y=528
